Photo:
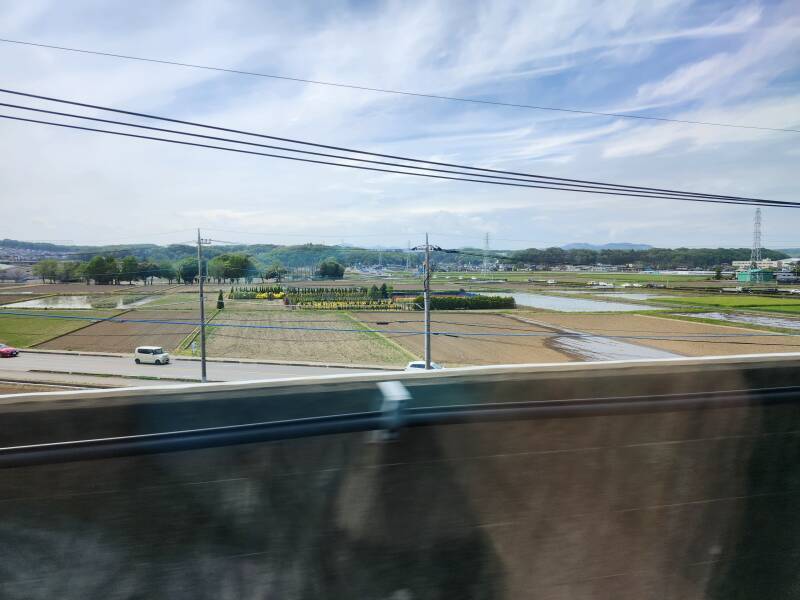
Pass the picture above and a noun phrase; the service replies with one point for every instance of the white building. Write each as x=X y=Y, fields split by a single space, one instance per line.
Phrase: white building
x=743 y=265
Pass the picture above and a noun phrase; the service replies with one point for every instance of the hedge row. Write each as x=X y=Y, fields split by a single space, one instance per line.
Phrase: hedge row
x=467 y=302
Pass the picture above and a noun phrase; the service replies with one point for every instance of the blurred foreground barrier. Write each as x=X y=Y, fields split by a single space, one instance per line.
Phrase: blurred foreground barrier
x=646 y=479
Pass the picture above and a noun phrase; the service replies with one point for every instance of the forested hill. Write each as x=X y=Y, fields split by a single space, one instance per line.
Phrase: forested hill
x=307 y=255
x=657 y=258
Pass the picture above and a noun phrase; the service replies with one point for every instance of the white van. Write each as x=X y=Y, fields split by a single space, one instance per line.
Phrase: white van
x=420 y=365
x=153 y=355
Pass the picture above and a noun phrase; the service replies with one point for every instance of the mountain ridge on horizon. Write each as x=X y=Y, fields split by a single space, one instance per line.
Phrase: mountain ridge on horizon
x=609 y=246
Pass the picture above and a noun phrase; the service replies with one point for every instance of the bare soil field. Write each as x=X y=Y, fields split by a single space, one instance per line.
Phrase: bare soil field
x=747 y=341
x=300 y=344
x=124 y=337
x=471 y=350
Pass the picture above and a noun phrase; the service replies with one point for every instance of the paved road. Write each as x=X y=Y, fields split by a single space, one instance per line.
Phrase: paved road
x=179 y=369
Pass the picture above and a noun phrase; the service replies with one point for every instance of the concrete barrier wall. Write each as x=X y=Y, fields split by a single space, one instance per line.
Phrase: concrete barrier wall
x=669 y=505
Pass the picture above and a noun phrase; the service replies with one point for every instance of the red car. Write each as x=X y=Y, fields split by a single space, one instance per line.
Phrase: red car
x=7 y=351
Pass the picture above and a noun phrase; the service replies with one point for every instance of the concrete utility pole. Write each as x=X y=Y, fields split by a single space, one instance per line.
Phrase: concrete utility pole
x=200 y=242
x=426 y=286
x=427 y=289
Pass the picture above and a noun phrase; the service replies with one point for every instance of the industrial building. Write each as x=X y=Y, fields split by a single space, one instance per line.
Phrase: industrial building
x=755 y=275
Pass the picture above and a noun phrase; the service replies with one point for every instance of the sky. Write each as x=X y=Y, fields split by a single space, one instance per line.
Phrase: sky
x=712 y=61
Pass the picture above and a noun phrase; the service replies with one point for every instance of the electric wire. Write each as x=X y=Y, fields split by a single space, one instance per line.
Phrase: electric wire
x=773 y=203
x=328 y=155
x=553 y=180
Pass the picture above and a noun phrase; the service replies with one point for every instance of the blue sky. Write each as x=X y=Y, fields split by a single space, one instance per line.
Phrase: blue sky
x=723 y=62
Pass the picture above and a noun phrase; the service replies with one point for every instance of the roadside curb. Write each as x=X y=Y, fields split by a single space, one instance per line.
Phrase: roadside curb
x=59 y=383
x=140 y=377
x=246 y=361
x=254 y=361
x=73 y=353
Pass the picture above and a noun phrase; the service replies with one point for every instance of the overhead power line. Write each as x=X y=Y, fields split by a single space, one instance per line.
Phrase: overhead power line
x=465 y=173
x=562 y=182
x=539 y=178
x=400 y=92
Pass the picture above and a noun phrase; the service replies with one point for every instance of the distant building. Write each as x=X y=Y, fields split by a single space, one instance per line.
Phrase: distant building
x=745 y=265
x=755 y=275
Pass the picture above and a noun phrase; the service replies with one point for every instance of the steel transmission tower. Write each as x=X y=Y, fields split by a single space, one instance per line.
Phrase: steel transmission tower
x=755 y=253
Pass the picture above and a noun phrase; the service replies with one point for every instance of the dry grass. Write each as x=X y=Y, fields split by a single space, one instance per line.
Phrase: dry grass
x=478 y=350
x=641 y=325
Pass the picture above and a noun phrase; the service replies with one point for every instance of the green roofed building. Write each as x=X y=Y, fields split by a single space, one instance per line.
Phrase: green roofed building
x=755 y=275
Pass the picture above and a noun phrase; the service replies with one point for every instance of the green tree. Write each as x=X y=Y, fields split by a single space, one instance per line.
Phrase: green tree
x=384 y=291
x=69 y=271
x=275 y=271
x=129 y=269
x=718 y=273
x=167 y=271
x=187 y=270
x=47 y=269
x=220 y=301
x=330 y=268
x=102 y=270
x=239 y=266
x=216 y=267
x=148 y=271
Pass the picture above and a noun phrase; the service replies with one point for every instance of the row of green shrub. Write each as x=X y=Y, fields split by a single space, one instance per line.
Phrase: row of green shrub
x=309 y=295
x=467 y=302
x=251 y=291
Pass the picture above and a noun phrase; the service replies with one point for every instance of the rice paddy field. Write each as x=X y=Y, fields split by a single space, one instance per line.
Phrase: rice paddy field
x=699 y=339
x=37 y=326
x=11 y=298
x=111 y=336
x=453 y=350
x=301 y=335
x=780 y=304
x=268 y=330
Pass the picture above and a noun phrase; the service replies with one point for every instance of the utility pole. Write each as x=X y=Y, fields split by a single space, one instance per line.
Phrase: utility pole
x=426 y=286
x=486 y=256
x=427 y=289
x=200 y=242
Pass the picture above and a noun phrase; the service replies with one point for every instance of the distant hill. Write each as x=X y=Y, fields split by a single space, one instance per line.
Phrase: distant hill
x=793 y=252
x=612 y=246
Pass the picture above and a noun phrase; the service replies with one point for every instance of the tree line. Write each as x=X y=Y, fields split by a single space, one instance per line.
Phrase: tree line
x=656 y=258
x=229 y=267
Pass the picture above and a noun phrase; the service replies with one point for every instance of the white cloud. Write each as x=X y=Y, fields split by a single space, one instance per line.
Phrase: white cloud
x=572 y=53
x=732 y=74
